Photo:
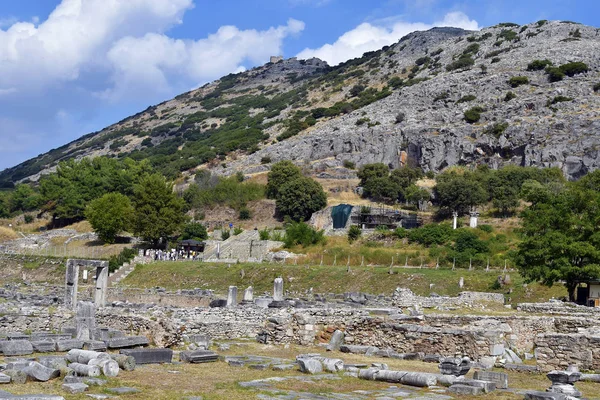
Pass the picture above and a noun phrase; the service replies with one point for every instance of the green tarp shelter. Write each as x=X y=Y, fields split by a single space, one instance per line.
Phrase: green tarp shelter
x=340 y=215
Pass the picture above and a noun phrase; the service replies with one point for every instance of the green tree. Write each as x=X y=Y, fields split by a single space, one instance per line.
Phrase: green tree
x=406 y=176
x=382 y=189
x=459 y=193
x=281 y=173
x=195 y=231
x=371 y=171
x=300 y=198
x=24 y=198
x=158 y=212
x=109 y=215
x=417 y=196
x=300 y=233
x=354 y=233
x=560 y=240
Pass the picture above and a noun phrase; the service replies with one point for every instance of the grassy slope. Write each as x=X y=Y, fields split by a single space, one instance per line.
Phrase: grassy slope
x=328 y=279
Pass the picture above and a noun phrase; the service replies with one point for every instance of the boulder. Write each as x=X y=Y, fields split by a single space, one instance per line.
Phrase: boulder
x=41 y=373
x=310 y=366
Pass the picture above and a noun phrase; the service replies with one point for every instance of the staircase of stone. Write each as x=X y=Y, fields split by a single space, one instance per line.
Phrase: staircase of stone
x=234 y=248
x=121 y=273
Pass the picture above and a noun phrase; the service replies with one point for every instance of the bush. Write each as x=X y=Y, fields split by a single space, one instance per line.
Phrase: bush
x=300 y=198
x=495 y=60
x=509 y=96
x=431 y=234
x=199 y=215
x=245 y=214
x=538 y=65
x=464 y=62
x=354 y=233
x=400 y=233
x=555 y=74
x=225 y=234
x=237 y=231
x=508 y=35
x=497 y=129
x=466 y=99
x=264 y=234
x=349 y=164
x=558 y=99
x=517 y=81
x=265 y=160
x=486 y=228
x=400 y=117
x=574 y=68
x=473 y=114
x=126 y=255
x=28 y=218
x=195 y=231
x=300 y=233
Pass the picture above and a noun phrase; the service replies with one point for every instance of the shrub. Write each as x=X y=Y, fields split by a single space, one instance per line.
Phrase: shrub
x=517 y=81
x=225 y=234
x=574 y=68
x=400 y=117
x=400 y=233
x=365 y=210
x=237 y=231
x=245 y=213
x=473 y=114
x=265 y=160
x=466 y=99
x=300 y=233
x=431 y=234
x=464 y=62
x=486 y=228
x=558 y=99
x=281 y=173
x=538 y=65
x=497 y=129
x=300 y=198
x=555 y=74
x=541 y=22
x=28 y=218
x=349 y=164
x=441 y=96
x=423 y=60
x=597 y=87
x=509 y=96
x=199 y=215
x=354 y=233
x=264 y=234
x=195 y=231
x=508 y=35
x=363 y=121
x=495 y=60
x=126 y=255
x=471 y=49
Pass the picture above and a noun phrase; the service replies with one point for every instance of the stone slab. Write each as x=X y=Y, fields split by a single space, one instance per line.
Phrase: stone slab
x=535 y=395
x=499 y=378
x=127 y=341
x=465 y=390
x=150 y=356
x=198 y=356
x=43 y=346
x=16 y=347
x=75 y=388
x=66 y=345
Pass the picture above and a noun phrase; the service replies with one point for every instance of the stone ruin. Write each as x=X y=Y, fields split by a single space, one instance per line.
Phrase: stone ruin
x=393 y=327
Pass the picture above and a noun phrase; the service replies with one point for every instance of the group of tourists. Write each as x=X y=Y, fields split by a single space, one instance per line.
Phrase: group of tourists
x=173 y=255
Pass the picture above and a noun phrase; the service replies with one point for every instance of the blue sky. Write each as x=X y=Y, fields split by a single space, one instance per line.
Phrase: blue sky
x=70 y=67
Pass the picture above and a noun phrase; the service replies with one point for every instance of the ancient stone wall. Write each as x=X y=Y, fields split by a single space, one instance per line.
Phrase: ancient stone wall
x=559 y=350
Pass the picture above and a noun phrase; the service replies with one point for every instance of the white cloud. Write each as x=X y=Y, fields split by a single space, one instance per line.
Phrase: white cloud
x=372 y=36
x=159 y=59
x=92 y=57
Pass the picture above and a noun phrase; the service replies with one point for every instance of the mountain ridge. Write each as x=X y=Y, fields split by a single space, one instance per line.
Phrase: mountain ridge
x=404 y=104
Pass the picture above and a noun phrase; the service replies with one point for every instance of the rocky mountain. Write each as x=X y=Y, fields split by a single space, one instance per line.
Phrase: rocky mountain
x=526 y=95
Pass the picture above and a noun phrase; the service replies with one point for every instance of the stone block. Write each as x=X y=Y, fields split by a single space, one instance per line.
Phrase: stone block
x=521 y=367
x=535 y=395
x=198 y=356
x=4 y=378
x=66 y=345
x=94 y=345
x=499 y=378
x=465 y=390
x=354 y=349
x=497 y=349
x=486 y=386
x=310 y=366
x=127 y=341
x=149 y=356
x=16 y=347
x=75 y=388
x=16 y=376
x=564 y=376
x=43 y=346
x=337 y=339
x=455 y=366
x=41 y=373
